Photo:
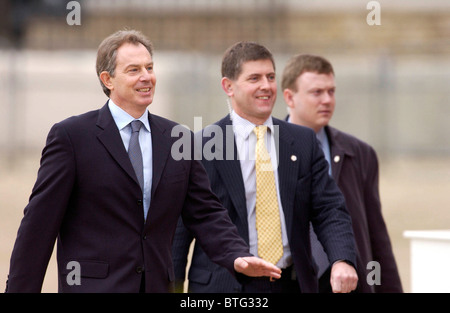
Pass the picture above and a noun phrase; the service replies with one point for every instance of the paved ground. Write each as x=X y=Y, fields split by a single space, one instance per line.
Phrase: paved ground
x=414 y=191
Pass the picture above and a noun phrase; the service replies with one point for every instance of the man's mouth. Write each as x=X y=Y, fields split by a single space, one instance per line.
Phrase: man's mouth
x=143 y=90
x=263 y=97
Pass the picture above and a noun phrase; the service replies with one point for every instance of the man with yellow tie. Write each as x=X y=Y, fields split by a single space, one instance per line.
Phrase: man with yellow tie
x=273 y=179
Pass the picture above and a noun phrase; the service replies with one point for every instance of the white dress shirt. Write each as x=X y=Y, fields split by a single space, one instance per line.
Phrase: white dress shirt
x=246 y=143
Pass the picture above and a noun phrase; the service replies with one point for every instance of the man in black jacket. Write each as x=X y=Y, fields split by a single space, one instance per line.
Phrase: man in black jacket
x=309 y=91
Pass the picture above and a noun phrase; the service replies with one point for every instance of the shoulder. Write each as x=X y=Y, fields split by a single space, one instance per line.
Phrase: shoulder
x=218 y=129
x=79 y=122
x=291 y=126
x=162 y=121
x=298 y=132
x=168 y=127
x=350 y=142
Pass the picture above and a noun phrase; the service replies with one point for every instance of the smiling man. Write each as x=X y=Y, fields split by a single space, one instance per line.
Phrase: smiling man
x=111 y=193
x=271 y=205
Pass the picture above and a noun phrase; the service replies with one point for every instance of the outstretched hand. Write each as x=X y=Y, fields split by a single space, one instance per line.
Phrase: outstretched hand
x=255 y=267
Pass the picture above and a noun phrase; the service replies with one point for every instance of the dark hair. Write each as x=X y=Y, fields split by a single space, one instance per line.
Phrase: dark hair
x=107 y=51
x=302 y=63
x=240 y=53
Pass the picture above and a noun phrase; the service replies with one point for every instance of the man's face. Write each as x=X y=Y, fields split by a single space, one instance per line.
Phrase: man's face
x=313 y=103
x=254 y=92
x=133 y=85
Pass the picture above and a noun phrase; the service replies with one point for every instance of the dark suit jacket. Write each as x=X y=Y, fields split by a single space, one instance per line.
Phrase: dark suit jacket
x=307 y=194
x=355 y=170
x=87 y=196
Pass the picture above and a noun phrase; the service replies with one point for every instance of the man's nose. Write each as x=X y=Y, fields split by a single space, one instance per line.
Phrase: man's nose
x=265 y=83
x=145 y=75
x=326 y=97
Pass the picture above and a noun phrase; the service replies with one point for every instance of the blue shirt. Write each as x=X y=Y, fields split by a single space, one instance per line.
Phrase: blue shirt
x=325 y=145
x=123 y=120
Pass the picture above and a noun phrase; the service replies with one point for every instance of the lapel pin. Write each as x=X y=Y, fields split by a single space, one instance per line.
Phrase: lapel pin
x=293 y=158
x=337 y=159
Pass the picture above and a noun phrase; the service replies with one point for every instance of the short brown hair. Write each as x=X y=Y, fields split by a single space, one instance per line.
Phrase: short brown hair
x=240 y=53
x=107 y=51
x=302 y=63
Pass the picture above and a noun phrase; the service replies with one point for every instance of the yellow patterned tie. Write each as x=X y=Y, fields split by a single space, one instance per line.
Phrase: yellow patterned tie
x=268 y=226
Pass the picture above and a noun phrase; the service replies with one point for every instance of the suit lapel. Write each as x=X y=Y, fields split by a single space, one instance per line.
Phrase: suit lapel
x=337 y=153
x=109 y=136
x=288 y=163
x=230 y=171
x=161 y=145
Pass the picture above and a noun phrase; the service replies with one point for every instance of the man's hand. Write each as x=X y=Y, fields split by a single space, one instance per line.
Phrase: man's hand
x=255 y=267
x=343 y=277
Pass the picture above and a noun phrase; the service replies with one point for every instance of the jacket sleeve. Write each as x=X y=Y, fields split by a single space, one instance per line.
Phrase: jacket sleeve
x=180 y=252
x=209 y=222
x=43 y=214
x=379 y=237
x=330 y=218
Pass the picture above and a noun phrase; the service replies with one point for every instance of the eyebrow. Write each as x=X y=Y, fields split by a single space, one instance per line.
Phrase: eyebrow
x=322 y=87
x=260 y=74
x=137 y=65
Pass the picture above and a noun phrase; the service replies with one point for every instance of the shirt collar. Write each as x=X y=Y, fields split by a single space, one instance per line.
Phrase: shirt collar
x=123 y=119
x=243 y=127
x=322 y=136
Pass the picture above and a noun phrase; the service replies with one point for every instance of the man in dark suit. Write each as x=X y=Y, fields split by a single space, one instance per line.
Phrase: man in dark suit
x=309 y=91
x=114 y=218
x=305 y=192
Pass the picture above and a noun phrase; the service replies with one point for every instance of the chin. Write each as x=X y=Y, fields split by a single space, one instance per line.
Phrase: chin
x=146 y=102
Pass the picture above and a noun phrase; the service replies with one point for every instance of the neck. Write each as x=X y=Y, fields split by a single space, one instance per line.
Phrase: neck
x=134 y=111
x=293 y=119
x=256 y=120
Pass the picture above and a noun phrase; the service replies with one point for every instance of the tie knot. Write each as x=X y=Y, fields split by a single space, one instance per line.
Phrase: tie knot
x=260 y=131
x=136 y=126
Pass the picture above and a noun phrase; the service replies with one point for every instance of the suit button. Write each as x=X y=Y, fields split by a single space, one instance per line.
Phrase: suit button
x=139 y=269
x=139 y=202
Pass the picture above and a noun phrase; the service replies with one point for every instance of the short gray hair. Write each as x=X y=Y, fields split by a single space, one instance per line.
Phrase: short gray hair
x=107 y=51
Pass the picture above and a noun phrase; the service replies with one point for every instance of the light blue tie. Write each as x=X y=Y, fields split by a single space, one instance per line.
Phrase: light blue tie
x=134 y=152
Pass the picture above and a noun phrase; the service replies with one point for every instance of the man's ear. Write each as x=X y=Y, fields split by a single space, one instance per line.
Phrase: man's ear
x=105 y=77
x=227 y=86
x=288 y=97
